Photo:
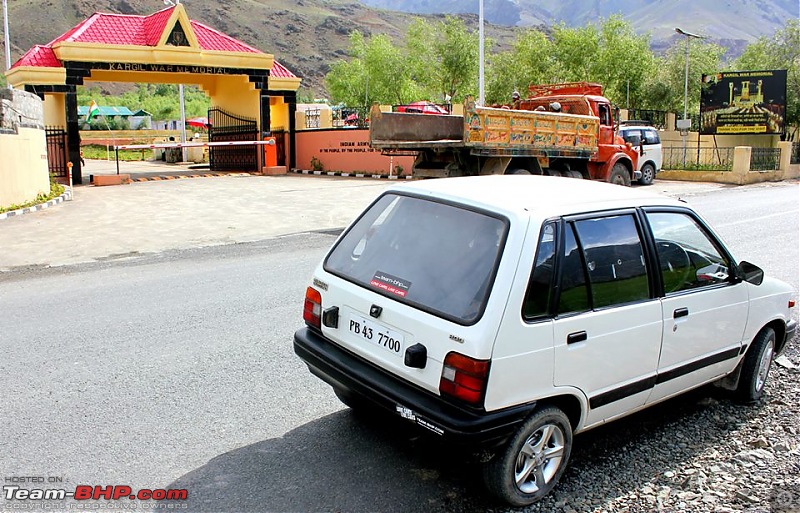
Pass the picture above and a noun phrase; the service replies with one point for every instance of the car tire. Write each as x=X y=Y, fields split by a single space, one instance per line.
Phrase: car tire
x=756 y=365
x=648 y=174
x=533 y=460
x=620 y=175
x=518 y=171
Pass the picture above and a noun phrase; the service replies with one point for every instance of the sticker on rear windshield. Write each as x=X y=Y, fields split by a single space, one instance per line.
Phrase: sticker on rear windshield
x=390 y=283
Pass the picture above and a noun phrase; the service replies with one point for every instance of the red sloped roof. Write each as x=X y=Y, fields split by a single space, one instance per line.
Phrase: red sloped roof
x=210 y=39
x=39 y=56
x=279 y=71
x=127 y=29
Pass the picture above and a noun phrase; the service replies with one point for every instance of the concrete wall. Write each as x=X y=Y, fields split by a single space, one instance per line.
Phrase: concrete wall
x=345 y=150
x=23 y=147
x=741 y=173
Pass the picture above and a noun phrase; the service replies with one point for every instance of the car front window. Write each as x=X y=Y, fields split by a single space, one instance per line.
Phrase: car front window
x=688 y=256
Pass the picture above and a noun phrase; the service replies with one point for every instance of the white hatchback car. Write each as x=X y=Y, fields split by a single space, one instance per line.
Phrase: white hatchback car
x=646 y=138
x=509 y=312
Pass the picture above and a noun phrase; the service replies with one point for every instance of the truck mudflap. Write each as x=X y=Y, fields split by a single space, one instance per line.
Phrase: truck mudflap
x=433 y=414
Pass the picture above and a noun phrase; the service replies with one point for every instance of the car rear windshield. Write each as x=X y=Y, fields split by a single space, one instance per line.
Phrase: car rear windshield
x=436 y=256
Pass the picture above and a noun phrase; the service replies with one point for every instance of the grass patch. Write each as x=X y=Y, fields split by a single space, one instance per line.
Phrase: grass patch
x=56 y=190
x=98 y=152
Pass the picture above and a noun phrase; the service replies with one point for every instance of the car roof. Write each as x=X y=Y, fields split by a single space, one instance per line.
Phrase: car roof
x=540 y=196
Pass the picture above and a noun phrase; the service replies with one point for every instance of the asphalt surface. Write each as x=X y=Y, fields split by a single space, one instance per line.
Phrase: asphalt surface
x=127 y=221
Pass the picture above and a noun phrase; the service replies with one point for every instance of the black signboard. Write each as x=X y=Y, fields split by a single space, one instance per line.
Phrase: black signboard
x=743 y=102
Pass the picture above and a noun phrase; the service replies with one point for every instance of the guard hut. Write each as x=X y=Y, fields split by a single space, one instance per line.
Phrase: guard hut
x=252 y=95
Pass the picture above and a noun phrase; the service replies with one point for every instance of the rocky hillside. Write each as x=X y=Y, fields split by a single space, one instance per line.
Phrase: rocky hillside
x=304 y=35
x=308 y=35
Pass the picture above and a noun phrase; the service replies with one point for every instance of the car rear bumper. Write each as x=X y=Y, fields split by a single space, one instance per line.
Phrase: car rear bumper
x=791 y=331
x=344 y=370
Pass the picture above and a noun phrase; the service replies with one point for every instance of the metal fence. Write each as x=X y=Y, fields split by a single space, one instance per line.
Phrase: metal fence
x=657 y=118
x=350 y=117
x=795 y=153
x=312 y=118
x=765 y=159
x=698 y=159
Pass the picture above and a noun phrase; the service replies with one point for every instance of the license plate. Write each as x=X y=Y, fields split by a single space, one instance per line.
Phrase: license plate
x=376 y=333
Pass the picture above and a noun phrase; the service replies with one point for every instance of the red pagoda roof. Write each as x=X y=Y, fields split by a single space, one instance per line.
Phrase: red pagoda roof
x=133 y=30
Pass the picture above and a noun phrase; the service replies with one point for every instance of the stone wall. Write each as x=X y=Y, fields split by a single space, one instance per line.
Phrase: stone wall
x=20 y=109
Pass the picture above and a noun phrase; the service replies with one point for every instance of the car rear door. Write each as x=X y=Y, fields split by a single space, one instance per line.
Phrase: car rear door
x=608 y=327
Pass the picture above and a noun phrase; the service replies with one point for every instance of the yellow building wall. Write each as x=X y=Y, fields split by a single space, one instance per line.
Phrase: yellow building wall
x=236 y=94
x=55 y=113
x=278 y=114
x=23 y=168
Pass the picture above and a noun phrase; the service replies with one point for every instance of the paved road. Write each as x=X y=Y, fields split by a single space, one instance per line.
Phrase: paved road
x=174 y=369
x=128 y=221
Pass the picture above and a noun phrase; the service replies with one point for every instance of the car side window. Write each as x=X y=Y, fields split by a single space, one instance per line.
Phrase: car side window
x=629 y=135
x=688 y=256
x=651 y=137
x=574 y=294
x=614 y=259
x=540 y=285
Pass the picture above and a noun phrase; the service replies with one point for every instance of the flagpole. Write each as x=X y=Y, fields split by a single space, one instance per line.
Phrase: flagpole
x=7 y=39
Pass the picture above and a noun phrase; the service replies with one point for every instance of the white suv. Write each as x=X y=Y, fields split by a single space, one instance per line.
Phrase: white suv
x=509 y=312
x=646 y=138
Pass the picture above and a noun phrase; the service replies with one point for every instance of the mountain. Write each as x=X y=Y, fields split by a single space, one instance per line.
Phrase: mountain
x=306 y=36
x=731 y=21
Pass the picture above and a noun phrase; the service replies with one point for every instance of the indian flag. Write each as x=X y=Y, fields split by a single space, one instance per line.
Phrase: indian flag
x=94 y=110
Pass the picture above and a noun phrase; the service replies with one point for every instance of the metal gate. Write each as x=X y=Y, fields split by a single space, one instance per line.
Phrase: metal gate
x=280 y=145
x=229 y=127
x=56 y=151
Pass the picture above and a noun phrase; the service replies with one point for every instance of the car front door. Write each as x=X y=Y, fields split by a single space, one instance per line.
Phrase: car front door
x=704 y=308
x=607 y=331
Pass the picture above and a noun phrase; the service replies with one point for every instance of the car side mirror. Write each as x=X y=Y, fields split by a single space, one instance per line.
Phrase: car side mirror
x=750 y=273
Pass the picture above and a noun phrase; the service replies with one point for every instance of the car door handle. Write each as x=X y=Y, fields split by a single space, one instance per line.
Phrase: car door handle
x=680 y=312
x=578 y=336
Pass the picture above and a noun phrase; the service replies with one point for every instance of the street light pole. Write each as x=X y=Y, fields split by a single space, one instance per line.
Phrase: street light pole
x=7 y=39
x=481 y=95
x=685 y=123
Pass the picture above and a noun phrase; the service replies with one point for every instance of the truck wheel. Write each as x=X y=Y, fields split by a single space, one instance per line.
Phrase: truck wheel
x=756 y=366
x=518 y=171
x=648 y=174
x=620 y=175
x=533 y=460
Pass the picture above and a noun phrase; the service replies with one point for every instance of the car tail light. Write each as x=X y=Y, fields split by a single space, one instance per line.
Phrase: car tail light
x=464 y=378
x=312 y=308
x=791 y=303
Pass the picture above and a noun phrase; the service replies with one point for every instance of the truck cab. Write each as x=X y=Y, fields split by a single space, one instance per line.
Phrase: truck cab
x=587 y=99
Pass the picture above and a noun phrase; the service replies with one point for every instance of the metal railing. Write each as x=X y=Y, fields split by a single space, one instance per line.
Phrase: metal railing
x=795 y=152
x=698 y=159
x=350 y=117
x=765 y=159
x=312 y=118
x=657 y=118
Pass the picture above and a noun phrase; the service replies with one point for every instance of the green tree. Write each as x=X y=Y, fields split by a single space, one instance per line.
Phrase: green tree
x=443 y=58
x=664 y=90
x=782 y=51
x=531 y=60
x=611 y=54
x=376 y=72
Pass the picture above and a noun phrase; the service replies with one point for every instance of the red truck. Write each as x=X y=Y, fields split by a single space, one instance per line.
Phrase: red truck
x=559 y=129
